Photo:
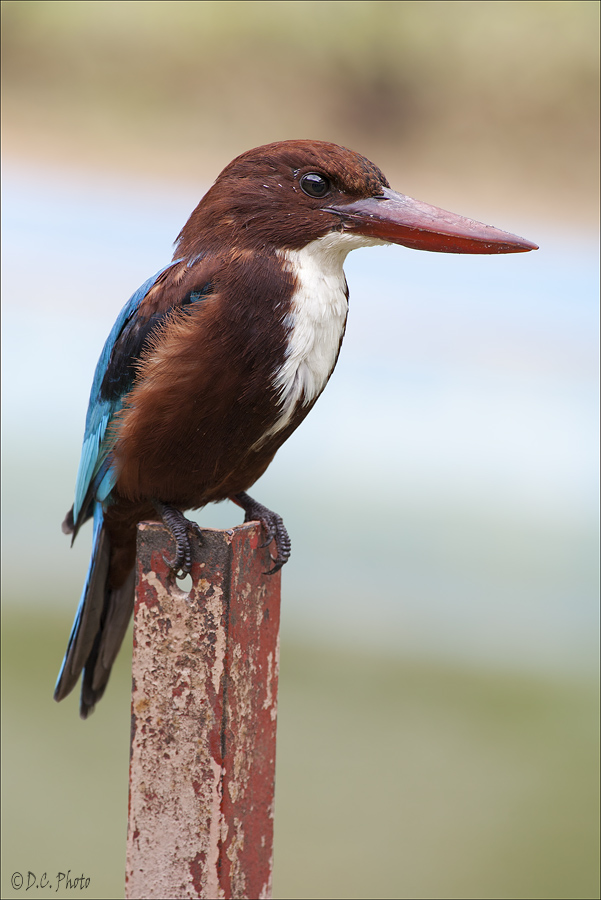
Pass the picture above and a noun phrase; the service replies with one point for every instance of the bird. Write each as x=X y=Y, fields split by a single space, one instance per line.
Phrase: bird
x=215 y=361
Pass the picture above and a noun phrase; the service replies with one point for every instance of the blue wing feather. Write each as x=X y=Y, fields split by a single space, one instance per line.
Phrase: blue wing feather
x=78 y=650
x=95 y=470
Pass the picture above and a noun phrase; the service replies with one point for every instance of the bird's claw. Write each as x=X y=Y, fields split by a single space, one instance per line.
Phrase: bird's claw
x=274 y=527
x=270 y=531
x=276 y=531
x=179 y=528
x=179 y=567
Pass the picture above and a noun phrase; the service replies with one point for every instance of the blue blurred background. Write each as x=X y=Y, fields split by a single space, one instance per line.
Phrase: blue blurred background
x=437 y=700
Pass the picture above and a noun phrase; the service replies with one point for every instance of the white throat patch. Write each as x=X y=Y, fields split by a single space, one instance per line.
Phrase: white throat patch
x=316 y=320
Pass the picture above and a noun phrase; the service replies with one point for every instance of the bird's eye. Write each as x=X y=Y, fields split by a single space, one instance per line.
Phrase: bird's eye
x=315 y=185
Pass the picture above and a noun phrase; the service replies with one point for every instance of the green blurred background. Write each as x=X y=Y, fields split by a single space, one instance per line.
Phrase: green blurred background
x=437 y=730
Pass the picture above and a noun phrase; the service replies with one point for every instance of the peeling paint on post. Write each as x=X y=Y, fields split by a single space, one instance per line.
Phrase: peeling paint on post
x=204 y=708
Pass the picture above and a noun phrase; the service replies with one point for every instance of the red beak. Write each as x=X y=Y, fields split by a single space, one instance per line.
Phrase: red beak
x=399 y=219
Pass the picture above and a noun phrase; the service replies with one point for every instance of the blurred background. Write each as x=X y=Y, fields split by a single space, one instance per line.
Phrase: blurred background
x=438 y=703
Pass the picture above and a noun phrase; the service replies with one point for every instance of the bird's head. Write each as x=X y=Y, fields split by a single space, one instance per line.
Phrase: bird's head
x=284 y=195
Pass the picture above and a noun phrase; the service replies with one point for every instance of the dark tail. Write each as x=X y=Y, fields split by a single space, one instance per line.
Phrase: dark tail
x=100 y=624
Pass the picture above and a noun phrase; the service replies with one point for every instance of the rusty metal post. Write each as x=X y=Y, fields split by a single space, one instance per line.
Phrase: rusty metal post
x=204 y=695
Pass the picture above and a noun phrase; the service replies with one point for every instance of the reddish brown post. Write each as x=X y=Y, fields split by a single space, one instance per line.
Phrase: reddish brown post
x=205 y=678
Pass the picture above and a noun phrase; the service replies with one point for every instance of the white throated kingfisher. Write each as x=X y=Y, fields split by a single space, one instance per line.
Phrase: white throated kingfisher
x=215 y=361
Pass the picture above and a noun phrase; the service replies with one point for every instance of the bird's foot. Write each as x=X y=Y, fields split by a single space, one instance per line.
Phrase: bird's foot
x=273 y=525
x=180 y=529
